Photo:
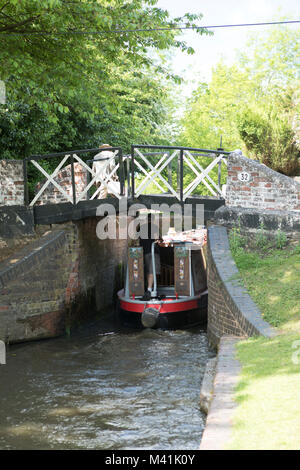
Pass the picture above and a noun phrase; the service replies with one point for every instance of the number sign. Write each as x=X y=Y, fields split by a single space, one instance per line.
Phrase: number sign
x=244 y=176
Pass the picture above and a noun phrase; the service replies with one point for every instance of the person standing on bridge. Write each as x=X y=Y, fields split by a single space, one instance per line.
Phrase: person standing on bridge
x=103 y=165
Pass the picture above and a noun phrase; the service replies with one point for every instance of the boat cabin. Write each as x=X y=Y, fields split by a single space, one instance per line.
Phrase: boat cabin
x=179 y=294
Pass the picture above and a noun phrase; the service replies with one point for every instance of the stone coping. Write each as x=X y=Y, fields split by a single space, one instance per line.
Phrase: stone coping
x=11 y=160
x=218 y=429
x=252 y=218
x=23 y=259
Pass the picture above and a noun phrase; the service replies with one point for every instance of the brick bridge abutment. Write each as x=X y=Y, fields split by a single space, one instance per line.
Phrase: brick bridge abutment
x=59 y=280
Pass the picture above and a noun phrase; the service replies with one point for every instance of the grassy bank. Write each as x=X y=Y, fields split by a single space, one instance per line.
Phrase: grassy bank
x=268 y=392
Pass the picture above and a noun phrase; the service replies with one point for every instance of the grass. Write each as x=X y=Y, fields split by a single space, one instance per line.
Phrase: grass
x=268 y=395
x=273 y=282
x=268 y=391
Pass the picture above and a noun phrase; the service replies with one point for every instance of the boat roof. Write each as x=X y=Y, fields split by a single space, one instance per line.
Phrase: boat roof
x=194 y=237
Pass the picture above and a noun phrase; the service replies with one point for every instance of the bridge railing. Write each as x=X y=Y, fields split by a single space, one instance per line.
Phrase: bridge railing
x=180 y=171
x=75 y=175
x=72 y=176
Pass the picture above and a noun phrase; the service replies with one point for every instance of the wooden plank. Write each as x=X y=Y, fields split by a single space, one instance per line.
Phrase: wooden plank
x=136 y=271
x=182 y=271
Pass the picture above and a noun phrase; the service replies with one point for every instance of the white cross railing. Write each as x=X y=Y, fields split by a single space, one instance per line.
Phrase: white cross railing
x=50 y=179
x=203 y=175
x=141 y=173
x=103 y=176
x=155 y=172
x=152 y=173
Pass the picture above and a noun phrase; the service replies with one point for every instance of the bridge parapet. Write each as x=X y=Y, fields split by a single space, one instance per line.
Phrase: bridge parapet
x=179 y=172
x=73 y=174
x=83 y=175
x=11 y=183
x=251 y=184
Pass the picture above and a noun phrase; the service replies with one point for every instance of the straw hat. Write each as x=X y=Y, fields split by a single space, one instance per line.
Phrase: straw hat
x=103 y=146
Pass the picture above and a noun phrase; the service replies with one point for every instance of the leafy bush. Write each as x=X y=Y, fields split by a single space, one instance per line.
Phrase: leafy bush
x=269 y=137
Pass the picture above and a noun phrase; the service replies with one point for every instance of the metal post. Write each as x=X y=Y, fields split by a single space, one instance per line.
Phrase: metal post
x=132 y=172
x=25 y=177
x=169 y=171
x=181 y=175
x=178 y=174
x=88 y=180
x=122 y=174
x=220 y=149
x=73 y=180
x=128 y=175
x=219 y=173
x=154 y=269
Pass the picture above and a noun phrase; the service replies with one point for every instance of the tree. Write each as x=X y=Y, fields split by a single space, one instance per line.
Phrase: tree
x=210 y=113
x=143 y=115
x=268 y=133
x=44 y=46
x=253 y=104
x=73 y=88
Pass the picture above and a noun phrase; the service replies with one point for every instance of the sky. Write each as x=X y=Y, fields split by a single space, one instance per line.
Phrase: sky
x=225 y=42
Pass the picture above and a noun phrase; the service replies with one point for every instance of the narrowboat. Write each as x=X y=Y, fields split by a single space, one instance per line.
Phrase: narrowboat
x=179 y=296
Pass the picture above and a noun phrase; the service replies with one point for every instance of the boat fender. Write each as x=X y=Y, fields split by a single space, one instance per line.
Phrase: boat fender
x=149 y=317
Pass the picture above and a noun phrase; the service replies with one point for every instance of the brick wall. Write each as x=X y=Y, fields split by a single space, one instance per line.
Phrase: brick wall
x=32 y=285
x=101 y=263
x=11 y=182
x=266 y=189
x=66 y=277
x=64 y=179
x=231 y=311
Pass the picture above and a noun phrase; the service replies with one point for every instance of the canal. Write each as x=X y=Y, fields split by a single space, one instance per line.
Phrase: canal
x=104 y=388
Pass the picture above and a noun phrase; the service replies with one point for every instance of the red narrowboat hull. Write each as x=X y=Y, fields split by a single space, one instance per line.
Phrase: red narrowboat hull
x=171 y=313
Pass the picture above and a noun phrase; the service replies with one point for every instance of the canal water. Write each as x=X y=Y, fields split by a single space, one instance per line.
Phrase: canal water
x=104 y=388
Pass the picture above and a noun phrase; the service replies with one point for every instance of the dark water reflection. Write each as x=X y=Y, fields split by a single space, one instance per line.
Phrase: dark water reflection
x=104 y=388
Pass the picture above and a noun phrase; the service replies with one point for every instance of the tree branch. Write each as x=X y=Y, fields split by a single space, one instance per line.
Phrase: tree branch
x=13 y=27
x=5 y=5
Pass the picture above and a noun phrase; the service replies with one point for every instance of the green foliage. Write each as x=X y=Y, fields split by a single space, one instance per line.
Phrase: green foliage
x=272 y=59
x=66 y=89
x=261 y=239
x=209 y=113
x=281 y=239
x=236 y=240
x=269 y=137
